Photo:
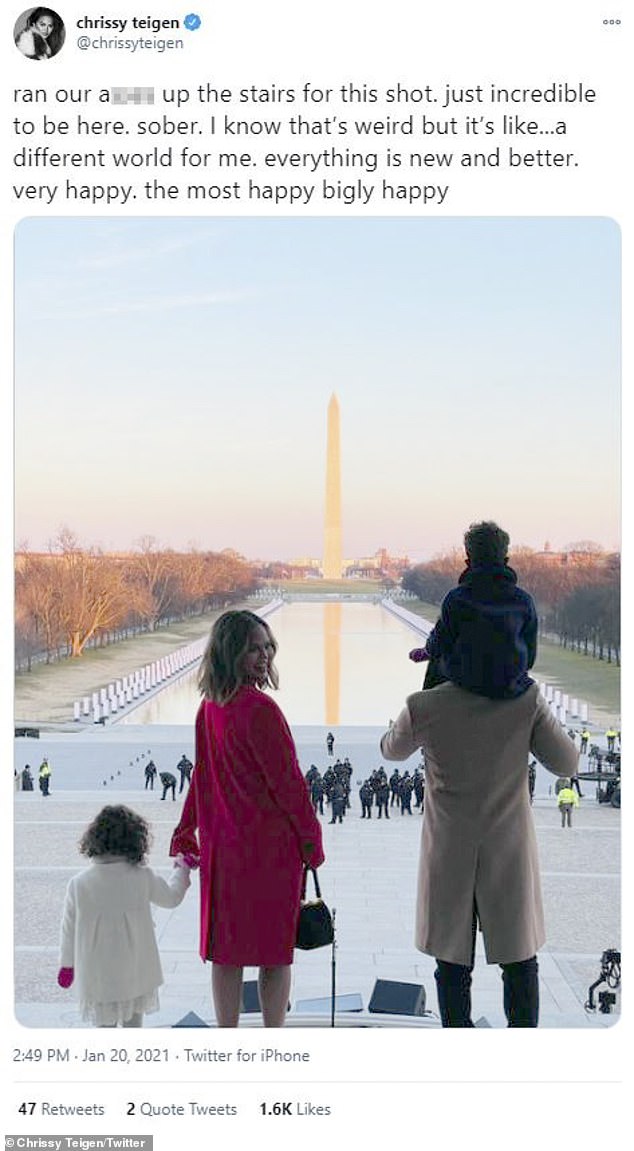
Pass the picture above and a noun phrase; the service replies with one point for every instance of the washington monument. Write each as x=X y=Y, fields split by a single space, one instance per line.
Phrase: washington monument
x=332 y=565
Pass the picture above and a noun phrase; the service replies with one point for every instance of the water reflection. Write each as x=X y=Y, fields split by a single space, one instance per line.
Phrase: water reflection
x=332 y=662
x=339 y=663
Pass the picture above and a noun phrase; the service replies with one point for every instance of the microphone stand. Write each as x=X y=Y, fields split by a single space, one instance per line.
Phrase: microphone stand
x=333 y=971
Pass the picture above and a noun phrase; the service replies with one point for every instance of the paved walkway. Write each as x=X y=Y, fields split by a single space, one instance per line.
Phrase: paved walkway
x=369 y=877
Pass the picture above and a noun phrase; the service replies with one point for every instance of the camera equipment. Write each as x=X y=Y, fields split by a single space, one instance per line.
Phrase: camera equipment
x=607 y=999
x=610 y=974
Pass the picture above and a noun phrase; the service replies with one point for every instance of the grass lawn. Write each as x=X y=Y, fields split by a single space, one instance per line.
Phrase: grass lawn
x=48 y=692
x=585 y=678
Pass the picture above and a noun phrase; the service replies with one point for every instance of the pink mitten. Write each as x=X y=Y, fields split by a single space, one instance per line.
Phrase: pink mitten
x=187 y=859
x=65 y=976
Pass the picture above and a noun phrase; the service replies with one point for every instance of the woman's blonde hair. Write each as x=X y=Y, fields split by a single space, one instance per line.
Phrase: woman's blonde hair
x=221 y=668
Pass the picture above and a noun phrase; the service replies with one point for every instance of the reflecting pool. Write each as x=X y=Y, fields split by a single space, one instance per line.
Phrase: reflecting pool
x=339 y=663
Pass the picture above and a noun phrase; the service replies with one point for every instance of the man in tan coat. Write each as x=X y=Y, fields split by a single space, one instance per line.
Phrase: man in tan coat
x=478 y=861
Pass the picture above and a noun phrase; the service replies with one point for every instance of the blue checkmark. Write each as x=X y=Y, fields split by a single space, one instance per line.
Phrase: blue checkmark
x=192 y=22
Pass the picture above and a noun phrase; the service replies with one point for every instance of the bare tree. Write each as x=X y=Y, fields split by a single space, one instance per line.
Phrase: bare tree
x=93 y=593
x=75 y=595
x=39 y=628
x=152 y=581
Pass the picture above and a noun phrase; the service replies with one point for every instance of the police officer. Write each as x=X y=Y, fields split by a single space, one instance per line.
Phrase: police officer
x=405 y=792
x=376 y=779
x=185 y=766
x=366 y=795
x=343 y=778
x=574 y=782
x=169 y=783
x=337 y=802
x=329 y=782
x=317 y=793
x=566 y=800
x=330 y=743
x=313 y=770
x=532 y=778
x=150 y=774
x=419 y=788
x=395 y=780
x=585 y=736
x=44 y=777
x=382 y=797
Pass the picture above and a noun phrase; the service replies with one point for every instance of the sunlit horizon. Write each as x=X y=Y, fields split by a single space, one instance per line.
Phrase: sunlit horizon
x=173 y=377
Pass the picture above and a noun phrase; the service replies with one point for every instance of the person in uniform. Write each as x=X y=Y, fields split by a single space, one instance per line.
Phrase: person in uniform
x=150 y=774
x=185 y=767
x=317 y=793
x=366 y=795
x=169 y=783
x=346 y=770
x=330 y=743
x=337 y=802
x=566 y=800
x=419 y=788
x=532 y=778
x=342 y=777
x=395 y=780
x=382 y=797
x=574 y=782
x=44 y=777
x=405 y=793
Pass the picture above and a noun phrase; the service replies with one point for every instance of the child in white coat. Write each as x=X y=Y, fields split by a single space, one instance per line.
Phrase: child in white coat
x=108 y=943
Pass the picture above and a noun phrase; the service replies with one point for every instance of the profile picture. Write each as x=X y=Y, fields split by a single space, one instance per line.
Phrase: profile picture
x=39 y=33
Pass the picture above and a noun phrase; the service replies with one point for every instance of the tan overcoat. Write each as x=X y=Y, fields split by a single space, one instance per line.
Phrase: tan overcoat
x=478 y=838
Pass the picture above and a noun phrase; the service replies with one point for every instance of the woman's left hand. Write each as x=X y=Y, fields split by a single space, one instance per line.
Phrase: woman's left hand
x=308 y=855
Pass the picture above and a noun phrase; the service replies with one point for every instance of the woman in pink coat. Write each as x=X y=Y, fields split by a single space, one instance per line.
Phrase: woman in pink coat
x=249 y=804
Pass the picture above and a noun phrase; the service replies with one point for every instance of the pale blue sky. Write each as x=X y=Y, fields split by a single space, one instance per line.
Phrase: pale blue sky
x=173 y=377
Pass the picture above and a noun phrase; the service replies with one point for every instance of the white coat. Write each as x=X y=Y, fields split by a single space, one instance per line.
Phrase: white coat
x=107 y=933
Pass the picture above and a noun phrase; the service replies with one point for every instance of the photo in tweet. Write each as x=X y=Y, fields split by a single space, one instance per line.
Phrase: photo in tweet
x=226 y=448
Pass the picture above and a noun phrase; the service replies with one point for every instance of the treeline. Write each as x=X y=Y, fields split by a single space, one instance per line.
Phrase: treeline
x=577 y=593
x=73 y=596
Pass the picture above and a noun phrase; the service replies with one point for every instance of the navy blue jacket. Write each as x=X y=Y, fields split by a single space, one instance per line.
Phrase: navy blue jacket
x=486 y=637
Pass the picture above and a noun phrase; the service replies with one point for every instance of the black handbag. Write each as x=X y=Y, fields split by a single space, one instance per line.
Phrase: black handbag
x=315 y=927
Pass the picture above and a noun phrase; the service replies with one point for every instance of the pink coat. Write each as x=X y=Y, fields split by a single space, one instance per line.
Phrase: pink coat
x=249 y=804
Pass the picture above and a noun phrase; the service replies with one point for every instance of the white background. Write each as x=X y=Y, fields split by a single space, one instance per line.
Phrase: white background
x=494 y=1087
